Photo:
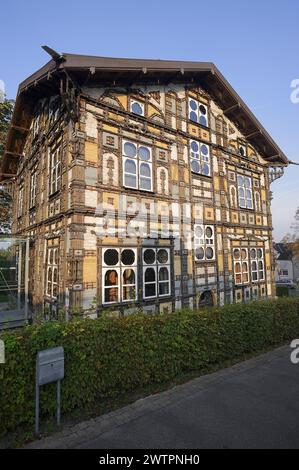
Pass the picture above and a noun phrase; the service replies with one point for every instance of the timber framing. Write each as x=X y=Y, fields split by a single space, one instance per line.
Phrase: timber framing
x=92 y=136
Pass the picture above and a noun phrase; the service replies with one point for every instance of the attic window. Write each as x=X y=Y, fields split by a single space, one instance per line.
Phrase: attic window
x=242 y=151
x=198 y=112
x=137 y=108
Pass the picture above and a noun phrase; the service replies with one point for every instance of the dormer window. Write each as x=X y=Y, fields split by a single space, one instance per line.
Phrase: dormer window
x=200 y=158
x=137 y=107
x=198 y=112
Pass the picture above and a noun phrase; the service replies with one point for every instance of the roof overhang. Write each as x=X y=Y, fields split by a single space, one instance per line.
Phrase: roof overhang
x=118 y=72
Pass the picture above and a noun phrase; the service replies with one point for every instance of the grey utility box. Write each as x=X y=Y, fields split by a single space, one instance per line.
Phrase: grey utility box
x=50 y=365
x=49 y=368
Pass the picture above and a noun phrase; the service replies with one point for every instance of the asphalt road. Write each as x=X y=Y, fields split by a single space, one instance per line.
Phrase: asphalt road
x=254 y=404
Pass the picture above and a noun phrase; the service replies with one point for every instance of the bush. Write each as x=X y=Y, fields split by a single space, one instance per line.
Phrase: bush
x=282 y=291
x=106 y=357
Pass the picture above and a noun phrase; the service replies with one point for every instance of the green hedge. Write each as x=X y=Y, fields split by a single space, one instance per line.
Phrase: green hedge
x=106 y=357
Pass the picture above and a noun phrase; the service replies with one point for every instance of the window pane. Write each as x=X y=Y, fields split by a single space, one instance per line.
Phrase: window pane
x=129 y=293
x=193 y=105
x=198 y=231
x=130 y=149
x=253 y=253
x=237 y=254
x=150 y=290
x=163 y=274
x=145 y=184
x=150 y=275
x=247 y=182
x=209 y=232
x=206 y=169
x=193 y=116
x=194 y=146
x=254 y=276
x=259 y=253
x=144 y=153
x=111 y=294
x=128 y=257
x=111 y=257
x=243 y=254
x=111 y=278
x=209 y=253
x=238 y=267
x=129 y=276
x=203 y=120
x=202 y=109
x=163 y=288
x=195 y=166
x=149 y=256
x=199 y=253
x=137 y=108
x=162 y=256
x=130 y=166
x=130 y=181
x=145 y=170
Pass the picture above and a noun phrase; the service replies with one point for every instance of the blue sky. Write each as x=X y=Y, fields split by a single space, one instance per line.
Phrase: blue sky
x=254 y=43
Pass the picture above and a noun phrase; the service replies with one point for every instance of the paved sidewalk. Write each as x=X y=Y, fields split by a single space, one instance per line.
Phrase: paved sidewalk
x=250 y=405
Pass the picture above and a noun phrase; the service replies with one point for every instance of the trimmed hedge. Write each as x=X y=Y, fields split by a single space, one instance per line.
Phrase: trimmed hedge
x=106 y=357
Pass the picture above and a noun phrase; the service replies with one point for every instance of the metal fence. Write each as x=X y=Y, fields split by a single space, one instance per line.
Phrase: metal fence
x=14 y=272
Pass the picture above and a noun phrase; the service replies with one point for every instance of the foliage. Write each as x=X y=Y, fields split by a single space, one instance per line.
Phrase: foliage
x=282 y=291
x=6 y=109
x=107 y=357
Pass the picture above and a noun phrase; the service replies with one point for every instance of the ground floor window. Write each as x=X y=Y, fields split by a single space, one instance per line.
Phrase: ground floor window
x=52 y=271
x=248 y=264
x=257 y=264
x=156 y=272
x=119 y=275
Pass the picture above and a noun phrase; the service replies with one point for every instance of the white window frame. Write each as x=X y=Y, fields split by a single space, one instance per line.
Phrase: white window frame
x=254 y=258
x=204 y=241
x=52 y=267
x=55 y=169
x=240 y=262
x=156 y=266
x=120 y=269
x=132 y=102
x=138 y=164
x=246 y=189
x=199 y=157
x=197 y=112
x=33 y=187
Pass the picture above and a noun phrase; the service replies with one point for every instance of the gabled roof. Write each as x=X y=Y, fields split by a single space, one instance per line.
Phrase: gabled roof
x=109 y=71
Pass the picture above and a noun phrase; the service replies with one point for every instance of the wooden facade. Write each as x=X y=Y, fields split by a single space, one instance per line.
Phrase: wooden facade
x=140 y=191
